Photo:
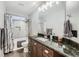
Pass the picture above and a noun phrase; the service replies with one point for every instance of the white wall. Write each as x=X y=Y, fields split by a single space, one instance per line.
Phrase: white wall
x=2 y=10
x=53 y=18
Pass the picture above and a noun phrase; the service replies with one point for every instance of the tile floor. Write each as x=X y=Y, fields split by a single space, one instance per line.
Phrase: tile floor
x=18 y=53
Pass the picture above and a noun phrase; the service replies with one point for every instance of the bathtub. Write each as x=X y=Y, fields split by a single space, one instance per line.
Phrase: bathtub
x=19 y=39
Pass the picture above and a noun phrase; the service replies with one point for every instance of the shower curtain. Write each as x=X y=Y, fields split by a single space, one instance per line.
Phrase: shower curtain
x=8 y=42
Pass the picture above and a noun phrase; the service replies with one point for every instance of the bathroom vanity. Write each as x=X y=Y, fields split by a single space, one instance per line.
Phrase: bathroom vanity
x=41 y=47
x=38 y=48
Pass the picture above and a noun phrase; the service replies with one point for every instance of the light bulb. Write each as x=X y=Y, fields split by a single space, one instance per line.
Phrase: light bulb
x=39 y=9
x=57 y=2
x=43 y=10
x=47 y=3
x=44 y=7
x=34 y=3
x=50 y=4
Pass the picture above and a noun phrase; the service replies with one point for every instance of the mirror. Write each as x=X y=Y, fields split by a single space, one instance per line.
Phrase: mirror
x=53 y=16
x=72 y=9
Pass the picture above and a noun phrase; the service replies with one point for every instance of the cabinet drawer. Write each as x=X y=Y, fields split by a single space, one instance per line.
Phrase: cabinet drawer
x=47 y=52
x=56 y=54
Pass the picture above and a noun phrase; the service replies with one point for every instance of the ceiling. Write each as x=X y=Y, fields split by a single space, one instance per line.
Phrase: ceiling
x=21 y=8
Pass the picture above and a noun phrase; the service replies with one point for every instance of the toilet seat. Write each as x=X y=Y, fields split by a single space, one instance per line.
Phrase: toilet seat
x=25 y=46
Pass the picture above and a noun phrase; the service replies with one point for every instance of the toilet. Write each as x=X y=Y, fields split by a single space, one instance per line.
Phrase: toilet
x=25 y=46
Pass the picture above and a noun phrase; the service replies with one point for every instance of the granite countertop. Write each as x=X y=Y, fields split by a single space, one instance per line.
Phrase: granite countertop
x=52 y=45
x=73 y=39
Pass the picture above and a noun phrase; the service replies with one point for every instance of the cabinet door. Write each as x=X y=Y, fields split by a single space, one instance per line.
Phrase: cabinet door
x=47 y=52
x=30 y=47
x=39 y=50
x=34 y=48
x=56 y=54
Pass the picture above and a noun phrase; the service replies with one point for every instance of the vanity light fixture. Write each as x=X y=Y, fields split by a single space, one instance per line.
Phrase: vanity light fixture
x=46 y=5
x=51 y=3
x=42 y=8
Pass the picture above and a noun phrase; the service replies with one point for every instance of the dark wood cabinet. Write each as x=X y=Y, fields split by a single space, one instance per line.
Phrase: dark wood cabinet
x=56 y=54
x=37 y=49
x=47 y=52
x=30 y=47
x=34 y=48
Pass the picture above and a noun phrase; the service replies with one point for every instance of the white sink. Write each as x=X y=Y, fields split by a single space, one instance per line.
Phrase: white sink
x=41 y=39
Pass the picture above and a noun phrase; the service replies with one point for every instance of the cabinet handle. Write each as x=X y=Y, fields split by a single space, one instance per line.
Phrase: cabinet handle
x=46 y=51
x=34 y=43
